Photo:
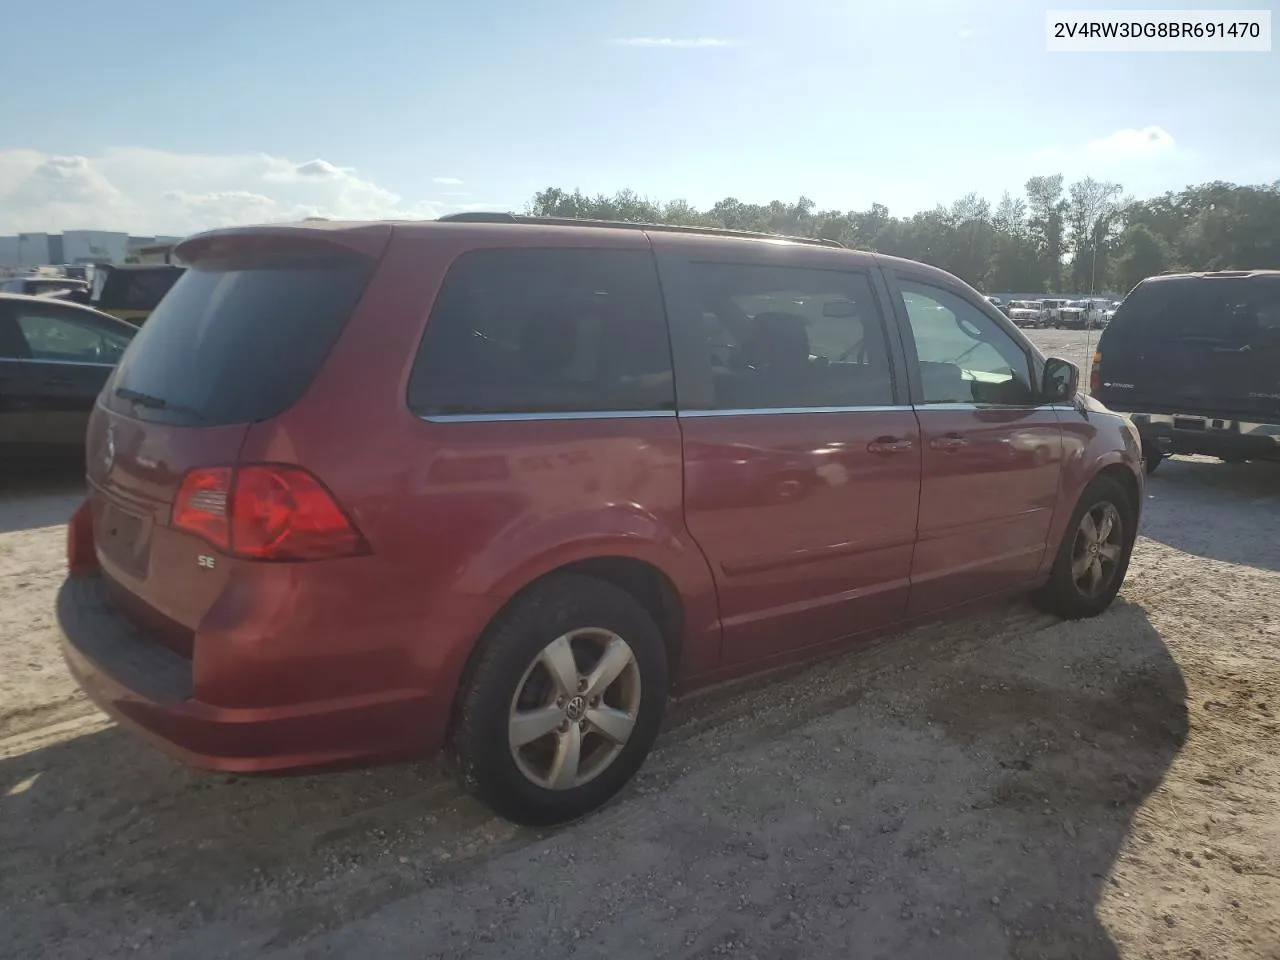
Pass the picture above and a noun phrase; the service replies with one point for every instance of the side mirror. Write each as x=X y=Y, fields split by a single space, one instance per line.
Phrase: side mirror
x=1061 y=381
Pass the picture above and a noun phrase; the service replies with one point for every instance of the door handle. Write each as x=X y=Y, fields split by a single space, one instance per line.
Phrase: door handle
x=948 y=444
x=889 y=445
x=58 y=382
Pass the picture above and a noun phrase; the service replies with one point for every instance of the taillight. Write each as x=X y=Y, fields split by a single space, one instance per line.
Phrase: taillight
x=265 y=512
x=80 y=554
x=1095 y=372
x=201 y=506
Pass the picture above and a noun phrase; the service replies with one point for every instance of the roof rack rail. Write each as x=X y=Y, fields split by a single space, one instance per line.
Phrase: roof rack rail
x=488 y=217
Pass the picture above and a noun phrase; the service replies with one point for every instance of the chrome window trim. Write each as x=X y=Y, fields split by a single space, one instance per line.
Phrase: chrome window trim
x=765 y=411
x=565 y=415
x=59 y=363
x=698 y=414
x=1029 y=408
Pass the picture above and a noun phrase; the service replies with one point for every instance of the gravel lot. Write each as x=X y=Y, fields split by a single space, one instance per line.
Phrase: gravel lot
x=1002 y=786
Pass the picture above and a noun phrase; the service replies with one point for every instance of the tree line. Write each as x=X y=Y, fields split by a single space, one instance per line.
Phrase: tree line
x=1054 y=237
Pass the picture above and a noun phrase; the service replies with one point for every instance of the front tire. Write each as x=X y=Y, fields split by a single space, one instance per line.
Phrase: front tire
x=562 y=702
x=1094 y=554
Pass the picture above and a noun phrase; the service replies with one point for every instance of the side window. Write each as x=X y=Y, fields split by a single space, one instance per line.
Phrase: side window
x=787 y=337
x=52 y=337
x=965 y=356
x=545 y=331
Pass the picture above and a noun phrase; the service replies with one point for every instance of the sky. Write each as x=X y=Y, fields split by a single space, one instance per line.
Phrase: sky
x=171 y=117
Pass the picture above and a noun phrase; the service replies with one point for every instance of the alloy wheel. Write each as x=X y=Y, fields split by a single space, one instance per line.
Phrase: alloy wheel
x=1098 y=547
x=574 y=709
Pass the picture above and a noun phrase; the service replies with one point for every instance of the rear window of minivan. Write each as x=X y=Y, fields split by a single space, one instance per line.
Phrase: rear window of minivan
x=1230 y=309
x=238 y=341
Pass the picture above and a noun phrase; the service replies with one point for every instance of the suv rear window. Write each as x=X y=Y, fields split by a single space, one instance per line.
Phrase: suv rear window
x=545 y=330
x=1230 y=309
x=239 y=341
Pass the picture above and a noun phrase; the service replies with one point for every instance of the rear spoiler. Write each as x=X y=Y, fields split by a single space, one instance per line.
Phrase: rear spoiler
x=365 y=239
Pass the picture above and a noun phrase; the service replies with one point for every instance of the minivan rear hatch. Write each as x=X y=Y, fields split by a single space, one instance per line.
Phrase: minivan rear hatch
x=236 y=341
x=1207 y=345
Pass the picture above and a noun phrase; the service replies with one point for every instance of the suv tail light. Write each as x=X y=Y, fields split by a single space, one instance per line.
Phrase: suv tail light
x=1095 y=372
x=265 y=512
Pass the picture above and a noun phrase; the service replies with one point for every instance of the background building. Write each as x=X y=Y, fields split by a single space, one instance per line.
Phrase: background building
x=27 y=250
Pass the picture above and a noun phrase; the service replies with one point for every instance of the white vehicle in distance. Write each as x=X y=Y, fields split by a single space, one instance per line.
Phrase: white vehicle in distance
x=1082 y=314
x=1053 y=311
x=1027 y=313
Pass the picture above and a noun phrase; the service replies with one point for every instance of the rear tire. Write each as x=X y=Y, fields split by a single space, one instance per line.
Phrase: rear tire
x=584 y=744
x=1090 y=568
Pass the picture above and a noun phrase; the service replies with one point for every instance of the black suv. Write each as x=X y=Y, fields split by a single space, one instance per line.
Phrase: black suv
x=1194 y=360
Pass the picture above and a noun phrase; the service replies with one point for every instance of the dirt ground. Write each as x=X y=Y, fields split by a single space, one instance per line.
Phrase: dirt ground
x=1005 y=785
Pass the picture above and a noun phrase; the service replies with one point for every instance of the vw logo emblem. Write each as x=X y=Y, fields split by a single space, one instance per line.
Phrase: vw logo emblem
x=109 y=448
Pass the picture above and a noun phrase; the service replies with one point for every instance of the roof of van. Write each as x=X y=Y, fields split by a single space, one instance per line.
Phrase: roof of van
x=369 y=236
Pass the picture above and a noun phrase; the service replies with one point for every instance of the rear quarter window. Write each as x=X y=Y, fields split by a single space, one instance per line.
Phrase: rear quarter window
x=240 y=341
x=530 y=331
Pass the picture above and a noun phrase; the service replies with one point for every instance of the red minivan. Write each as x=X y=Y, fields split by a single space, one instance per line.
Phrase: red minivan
x=502 y=484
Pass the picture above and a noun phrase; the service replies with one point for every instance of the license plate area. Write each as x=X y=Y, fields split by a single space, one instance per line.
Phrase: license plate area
x=123 y=536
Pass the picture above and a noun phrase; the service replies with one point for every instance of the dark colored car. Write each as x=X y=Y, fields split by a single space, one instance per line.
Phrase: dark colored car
x=1194 y=360
x=502 y=484
x=131 y=292
x=54 y=358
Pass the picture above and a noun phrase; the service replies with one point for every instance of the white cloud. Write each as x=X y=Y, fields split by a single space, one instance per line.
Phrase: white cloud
x=1120 y=153
x=311 y=170
x=1134 y=143
x=447 y=181
x=966 y=33
x=148 y=192
x=677 y=42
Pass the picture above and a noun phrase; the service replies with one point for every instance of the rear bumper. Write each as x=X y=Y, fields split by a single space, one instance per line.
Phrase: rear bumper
x=149 y=689
x=1206 y=434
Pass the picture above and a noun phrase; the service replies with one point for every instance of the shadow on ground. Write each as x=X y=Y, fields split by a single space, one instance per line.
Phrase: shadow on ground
x=39 y=493
x=957 y=792
x=1221 y=511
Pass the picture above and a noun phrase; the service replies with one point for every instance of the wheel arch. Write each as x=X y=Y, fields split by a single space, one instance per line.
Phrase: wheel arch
x=1122 y=475
x=646 y=582
x=1113 y=465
